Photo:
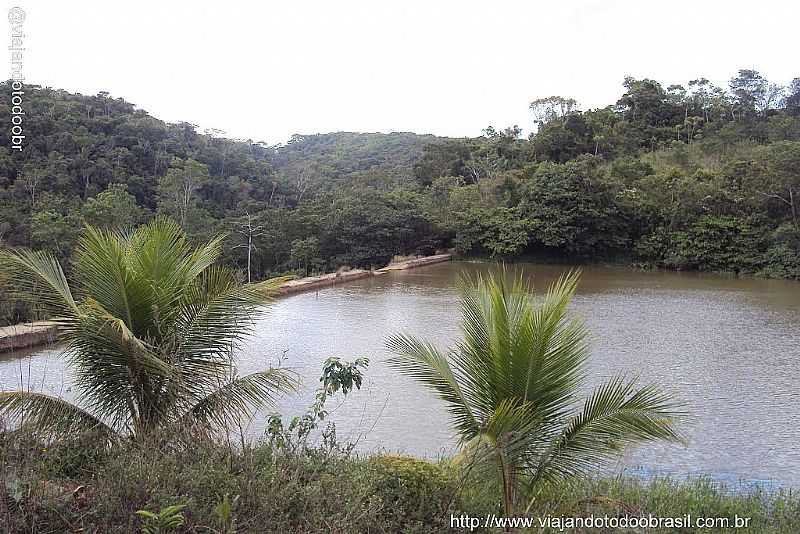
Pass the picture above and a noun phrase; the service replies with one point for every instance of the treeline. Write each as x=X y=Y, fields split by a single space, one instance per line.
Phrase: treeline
x=683 y=178
x=695 y=177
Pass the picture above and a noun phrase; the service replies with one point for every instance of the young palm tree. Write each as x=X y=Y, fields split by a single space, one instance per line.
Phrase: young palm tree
x=511 y=386
x=150 y=326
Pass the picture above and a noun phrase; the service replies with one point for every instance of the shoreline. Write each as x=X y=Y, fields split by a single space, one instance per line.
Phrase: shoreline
x=331 y=279
x=26 y=335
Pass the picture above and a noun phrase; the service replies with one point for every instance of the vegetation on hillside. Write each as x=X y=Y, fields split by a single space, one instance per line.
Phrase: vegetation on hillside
x=683 y=177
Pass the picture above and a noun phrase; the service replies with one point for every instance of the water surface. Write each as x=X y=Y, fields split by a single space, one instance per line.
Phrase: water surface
x=728 y=347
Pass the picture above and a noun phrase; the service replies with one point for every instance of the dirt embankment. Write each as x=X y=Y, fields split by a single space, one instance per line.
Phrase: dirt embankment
x=42 y=332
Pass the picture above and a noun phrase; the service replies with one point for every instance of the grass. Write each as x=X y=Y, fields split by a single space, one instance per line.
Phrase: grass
x=768 y=512
x=79 y=486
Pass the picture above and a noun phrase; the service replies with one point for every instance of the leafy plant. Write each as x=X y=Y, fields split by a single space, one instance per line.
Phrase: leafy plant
x=223 y=512
x=336 y=376
x=150 y=328
x=167 y=519
x=413 y=491
x=13 y=493
x=511 y=384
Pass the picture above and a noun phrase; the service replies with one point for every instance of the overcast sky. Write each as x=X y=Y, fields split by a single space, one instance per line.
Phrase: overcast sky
x=266 y=70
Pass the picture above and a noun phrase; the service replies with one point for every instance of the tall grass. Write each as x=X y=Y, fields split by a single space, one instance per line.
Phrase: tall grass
x=80 y=486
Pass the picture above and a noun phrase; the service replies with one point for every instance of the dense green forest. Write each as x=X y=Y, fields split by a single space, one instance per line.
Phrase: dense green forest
x=692 y=177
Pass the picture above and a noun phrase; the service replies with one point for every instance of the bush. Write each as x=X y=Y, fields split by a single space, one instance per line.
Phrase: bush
x=415 y=493
x=721 y=244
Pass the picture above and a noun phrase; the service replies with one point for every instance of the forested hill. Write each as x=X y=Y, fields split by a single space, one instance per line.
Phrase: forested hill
x=99 y=160
x=687 y=177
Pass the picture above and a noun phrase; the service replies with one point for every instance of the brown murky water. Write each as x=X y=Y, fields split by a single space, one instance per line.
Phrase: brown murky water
x=728 y=347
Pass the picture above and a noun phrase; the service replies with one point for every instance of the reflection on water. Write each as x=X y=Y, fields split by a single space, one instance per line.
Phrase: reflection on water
x=725 y=346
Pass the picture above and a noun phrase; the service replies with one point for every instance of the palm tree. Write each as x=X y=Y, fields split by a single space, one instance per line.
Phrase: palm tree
x=511 y=386
x=150 y=326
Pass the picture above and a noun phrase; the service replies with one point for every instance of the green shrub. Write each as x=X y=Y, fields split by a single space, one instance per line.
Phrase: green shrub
x=74 y=456
x=414 y=492
x=721 y=244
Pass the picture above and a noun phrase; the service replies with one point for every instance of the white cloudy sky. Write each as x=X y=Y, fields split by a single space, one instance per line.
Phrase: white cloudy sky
x=266 y=70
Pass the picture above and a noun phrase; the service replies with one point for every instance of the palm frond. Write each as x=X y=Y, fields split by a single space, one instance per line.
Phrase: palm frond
x=117 y=372
x=551 y=351
x=498 y=455
x=155 y=330
x=615 y=415
x=476 y=357
x=103 y=273
x=218 y=314
x=511 y=383
x=37 y=278
x=49 y=415
x=203 y=257
x=158 y=251
x=425 y=363
x=241 y=397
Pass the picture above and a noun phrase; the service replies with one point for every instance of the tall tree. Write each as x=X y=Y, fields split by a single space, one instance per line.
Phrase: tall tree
x=792 y=100
x=754 y=94
x=250 y=231
x=781 y=181
x=551 y=108
x=178 y=189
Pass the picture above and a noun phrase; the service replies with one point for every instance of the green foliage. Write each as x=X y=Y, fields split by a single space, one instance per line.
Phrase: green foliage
x=150 y=327
x=113 y=208
x=562 y=140
x=55 y=232
x=511 y=384
x=71 y=456
x=717 y=244
x=254 y=490
x=167 y=519
x=336 y=376
x=85 y=149
x=445 y=158
x=305 y=252
x=499 y=231
x=723 y=244
x=415 y=493
x=267 y=490
x=364 y=228
x=178 y=192
x=587 y=185
x=573 y=210
x=506 y=233
x=769 y=511
x=224 y=514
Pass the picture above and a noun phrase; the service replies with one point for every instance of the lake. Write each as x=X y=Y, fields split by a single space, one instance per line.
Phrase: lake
x=728 y=347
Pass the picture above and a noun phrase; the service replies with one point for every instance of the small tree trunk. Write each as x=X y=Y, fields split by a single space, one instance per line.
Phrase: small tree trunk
x=249 y=249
